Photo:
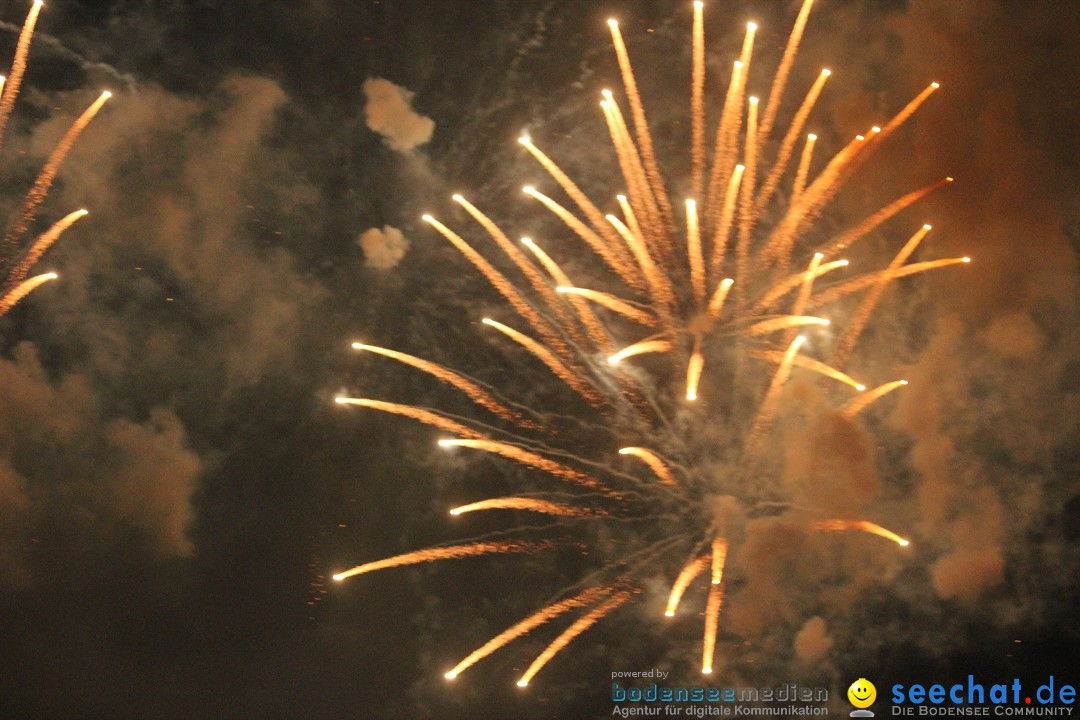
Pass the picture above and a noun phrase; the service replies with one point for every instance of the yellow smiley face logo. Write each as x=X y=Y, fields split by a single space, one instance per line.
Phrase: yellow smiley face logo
x=862 y=693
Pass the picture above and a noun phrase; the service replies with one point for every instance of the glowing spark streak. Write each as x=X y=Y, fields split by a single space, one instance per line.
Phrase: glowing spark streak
x=642 y=348
x=659 y=286
x=864 y=401
x=632 y=223
x=18 y=68
x=772 y=396
x=611 y=303
x=716 y=304
x=839 y=525
x=727 y=216
x=810 y=364
x=686 y=576
x=45 y=179
x=609 y=253
x=782 y=323
x=719 y=557
x=425 y=416
x=693 y=370
x=570 y=188
x=907 y=112
x=712 y=622
x=693 y=249
x=845 y=239
x=557 y=367
x=635 y=174
x=787 y=145
x=3 y=81
x=588 y=319
x=641 y=126
x=452 y=552
x=862 y=315
x=655 y=462
x=697 y=102
x=522 y=503
x=39 y=247
x=474 y=392
x=724 y=154
x=530 y=459
x=790 y=283
x=746 y=202
x=782 y=72
x=504 y=286
x=526 y=626
x=804 y=169
x=527 y=269
x=856 y=284
x=580 y=625
x=23 y=289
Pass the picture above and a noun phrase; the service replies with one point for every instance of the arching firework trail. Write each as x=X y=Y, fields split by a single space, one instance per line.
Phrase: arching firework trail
x=18 y=255
x=678 y=349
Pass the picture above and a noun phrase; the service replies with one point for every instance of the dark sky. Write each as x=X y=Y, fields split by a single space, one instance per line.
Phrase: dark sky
x=176 y=482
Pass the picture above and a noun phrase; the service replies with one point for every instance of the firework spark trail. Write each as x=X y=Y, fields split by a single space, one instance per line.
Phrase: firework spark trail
x=640 y=348
x=866 y=308
x=727 y=217
x=582 y=624
x=693 y=370
x=23 y=289
x=859 y=231
x=712 y=622
x=586 y=205
x=428 y=417
x=536 y=280
x=772 y=396
x=686 y=576
x=611 y=303
x=564 y=372
x=634 y=173
x=44 y=241
x=803 y=171
x=840 y=525
x=746 y=203
x=783 y=287
x=530 y=459
x=588 y=597
x=787 y=145
x=719 y=558
x=612 y=254
x=697 y=102
x=907 y=112
x=45 y=179
x=472 y=390
x=655 y=462
x=719 y=177
x=504 y=286
x=777 y=356
x=864 y=281
x=659 y=285
x=451 y=552
x=776 y=93
x=867 y=398
x=592 y=326
x=716 y=304
x=693 y=248
x=524 y=503
x=18 y=67
x=782 y=323
x=641 y=126
x=634 y=226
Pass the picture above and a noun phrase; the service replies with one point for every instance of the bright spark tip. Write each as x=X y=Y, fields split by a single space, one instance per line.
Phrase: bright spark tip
x=427 y=218
x=753 y=100
x=966 y=259
x=528 y=189
x=620 y=198
x=698 y=4
x=84 y=211
x=826 y=72
x=740 y=168
x=751 y=26
x=612 y=22
x=927 y=227
x=706 y=671
x=456 y=197
x=522 y=683
x=811 y=136
x=450 y=675
x=669 y=614
x=875 y=129
x=948 y=179
x=446 y=443
x=819 y=255
x=845 y=262
x=606 y=93
x=455 y=511
x=691 y=396
x=935 y=85
x=904 y=543
x=860 y=388
x=51 y=276
x=859 y=138
x=107 y=94
x=338 y=578
x=523 y=140
x=903 y=382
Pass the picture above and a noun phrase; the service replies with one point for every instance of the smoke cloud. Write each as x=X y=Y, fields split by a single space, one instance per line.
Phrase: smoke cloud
x=383 y=249
x=389 y=112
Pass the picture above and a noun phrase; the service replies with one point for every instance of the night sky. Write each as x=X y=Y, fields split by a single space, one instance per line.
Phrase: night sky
x=177 y=484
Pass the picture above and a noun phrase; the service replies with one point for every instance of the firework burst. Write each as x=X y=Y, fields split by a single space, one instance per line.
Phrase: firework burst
x=701 y=310
x=18 y=253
